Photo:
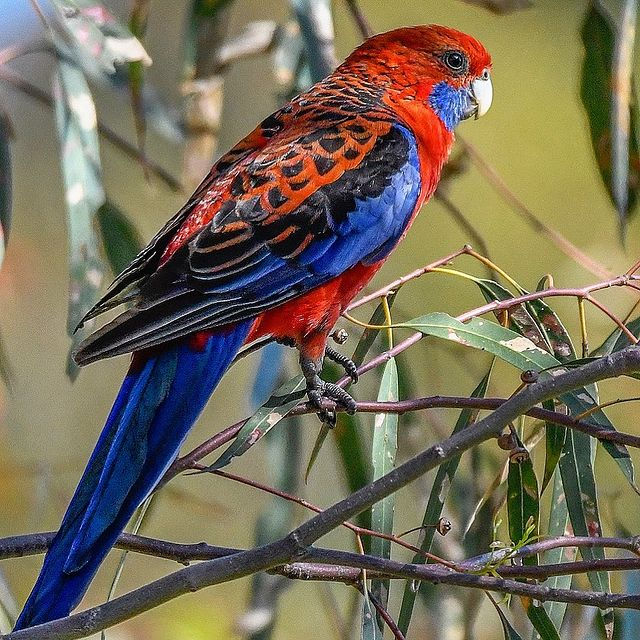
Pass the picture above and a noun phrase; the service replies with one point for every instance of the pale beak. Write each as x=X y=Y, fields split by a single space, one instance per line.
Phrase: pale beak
x=480 y=96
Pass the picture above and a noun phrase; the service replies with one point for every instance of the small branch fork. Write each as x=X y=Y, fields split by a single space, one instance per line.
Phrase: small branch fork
x=295 y=556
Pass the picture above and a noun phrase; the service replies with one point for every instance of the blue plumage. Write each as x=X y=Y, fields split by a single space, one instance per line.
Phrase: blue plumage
x=157 y=405
x=449 y=103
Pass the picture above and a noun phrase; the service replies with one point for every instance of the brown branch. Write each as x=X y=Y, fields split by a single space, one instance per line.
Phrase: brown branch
x=189 y=460
x=297 y=545
x=383 y=613
x=360 y=19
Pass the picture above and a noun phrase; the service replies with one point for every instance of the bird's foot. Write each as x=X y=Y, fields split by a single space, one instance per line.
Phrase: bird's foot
x=318 y=390
x=345 y=362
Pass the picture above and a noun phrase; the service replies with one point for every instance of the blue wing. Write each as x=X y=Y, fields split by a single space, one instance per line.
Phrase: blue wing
x=253 y=258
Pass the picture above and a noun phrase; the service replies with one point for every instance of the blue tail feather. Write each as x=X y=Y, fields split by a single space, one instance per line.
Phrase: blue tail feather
x=155 y=409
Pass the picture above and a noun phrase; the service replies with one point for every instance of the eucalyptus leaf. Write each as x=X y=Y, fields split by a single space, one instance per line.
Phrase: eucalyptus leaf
x=578 y=480
x=598 y=37
x=618 y=340
x=523 y=501
x=120 y=238
x=383 y=456
x=283 y=400
x=523 y=354
x=509 y=632
x=558 y=526
x=541 y=622
x=80 y=157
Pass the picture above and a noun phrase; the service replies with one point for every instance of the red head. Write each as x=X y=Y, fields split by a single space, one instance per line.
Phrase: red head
x=435 y=66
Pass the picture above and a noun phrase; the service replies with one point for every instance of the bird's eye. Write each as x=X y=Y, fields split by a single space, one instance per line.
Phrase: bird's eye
x=455 y=60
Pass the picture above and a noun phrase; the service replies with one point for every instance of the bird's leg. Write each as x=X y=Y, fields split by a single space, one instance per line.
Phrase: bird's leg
x=344 y=361
x=318 y=390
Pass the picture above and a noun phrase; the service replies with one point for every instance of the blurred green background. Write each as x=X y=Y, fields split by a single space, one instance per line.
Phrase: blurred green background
x=536 y=136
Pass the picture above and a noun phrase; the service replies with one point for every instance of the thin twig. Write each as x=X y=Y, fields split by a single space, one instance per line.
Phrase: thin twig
x=384 y=614
x=360 y=19
x=399 y=282
x=188 y=461
x=359 y=531
x=567 y=247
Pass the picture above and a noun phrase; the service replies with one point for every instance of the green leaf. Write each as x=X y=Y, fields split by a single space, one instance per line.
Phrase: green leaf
x=437 y=497
x=558 y=526
x=487 y=336
x=283 y=400
x=618 y=339
x=598 y=37
x=555 y=435
x=369 y=629
x=630 y=618
x=5 y=182
x=274 y=522
x=538 y=322
x=347 y=432
x=120 y=238
x=520 y=320
x=576 y=469
x=523 y=354
x=355 y=462
x=541 y=622
x=99 y=40
x=80 y=157
x=523 y=502
x=383 y=457
x=317 y=445
x=555 y=333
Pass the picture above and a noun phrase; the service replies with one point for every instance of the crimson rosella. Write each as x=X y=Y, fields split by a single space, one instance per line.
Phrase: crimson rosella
x=277 y=240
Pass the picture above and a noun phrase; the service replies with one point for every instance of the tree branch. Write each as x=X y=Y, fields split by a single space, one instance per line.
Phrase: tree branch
x=296 y=545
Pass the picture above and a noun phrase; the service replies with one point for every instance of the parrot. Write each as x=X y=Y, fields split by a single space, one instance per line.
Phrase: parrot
x=278 y=239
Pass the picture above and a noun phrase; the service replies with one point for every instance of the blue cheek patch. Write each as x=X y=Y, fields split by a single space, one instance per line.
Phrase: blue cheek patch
x=449 y=103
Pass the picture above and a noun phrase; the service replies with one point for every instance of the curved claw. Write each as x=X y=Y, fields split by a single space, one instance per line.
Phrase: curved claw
x=345 y=362
x=318 y=390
